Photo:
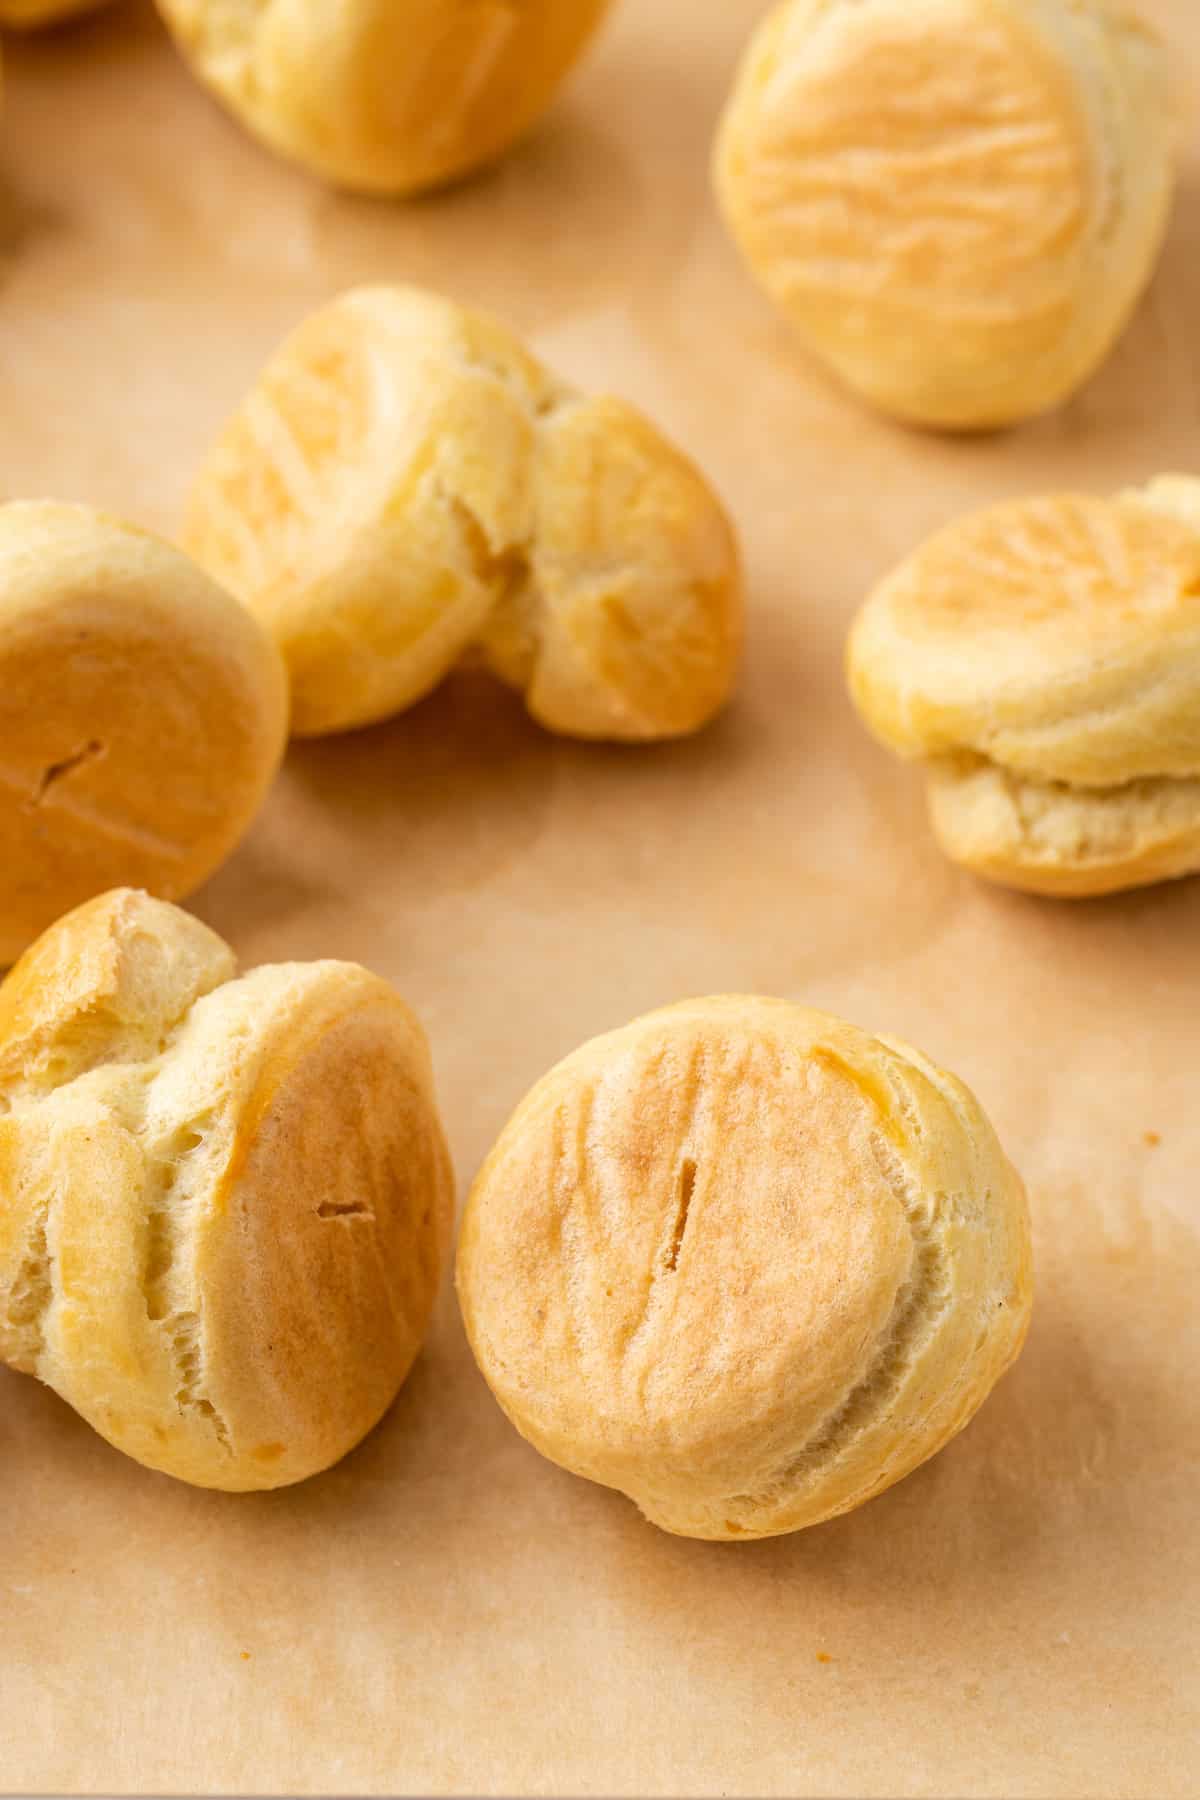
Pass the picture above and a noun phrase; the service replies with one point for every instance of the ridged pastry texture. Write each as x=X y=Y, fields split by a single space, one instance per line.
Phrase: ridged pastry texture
x=958 y=202
x=28 y=15
x=384 y=96
x=224 y=1200
x=143 y=715
x=1042 y=659
x=745 y=1263
x=405 y=486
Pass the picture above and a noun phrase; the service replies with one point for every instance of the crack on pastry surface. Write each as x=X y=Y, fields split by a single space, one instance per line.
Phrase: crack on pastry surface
x=169 y=1169
x=687 y=1188
x=58 y=771
x=501 y=570
x=186 y=1337
x=353 y=1209
x=32 y=1293
x=165 y=1169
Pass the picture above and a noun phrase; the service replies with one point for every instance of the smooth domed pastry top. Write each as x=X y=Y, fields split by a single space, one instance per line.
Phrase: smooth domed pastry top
x=406 y=485
x=143 y=715
x=223 y=1200
x=745 y=1263
x=1043 y=659
x=958 y=202
x=388 y=96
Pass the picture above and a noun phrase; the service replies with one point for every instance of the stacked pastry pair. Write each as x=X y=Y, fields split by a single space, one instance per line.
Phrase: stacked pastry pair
x=1041 y=660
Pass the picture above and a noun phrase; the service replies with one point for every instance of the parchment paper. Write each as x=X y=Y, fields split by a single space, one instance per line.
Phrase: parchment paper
x=446 y=1612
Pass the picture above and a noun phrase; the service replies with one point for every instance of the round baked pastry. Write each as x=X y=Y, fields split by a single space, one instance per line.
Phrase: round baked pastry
x=224 y=1200
x=27 y=15
x=385 y=96
x=143 y=715
x=406 y=485
x=1042 y=659
x=745 y=1263
x=958 y=202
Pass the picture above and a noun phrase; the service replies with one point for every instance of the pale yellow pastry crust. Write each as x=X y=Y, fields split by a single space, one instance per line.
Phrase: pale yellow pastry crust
x=1071 y=842
x=745 y=1263
x=224 y=1200
x=958 y=202
x=384 y=96
x=406 y=486
x=143 y=715
x=1042 y=659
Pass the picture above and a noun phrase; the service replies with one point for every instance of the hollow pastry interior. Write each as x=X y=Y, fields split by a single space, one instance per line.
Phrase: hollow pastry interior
x=964 y=245
x=1043 y=660
x=224 y=1200
x=406 y=486
x=387 y=96
x=745 y=1263
x=143 y=716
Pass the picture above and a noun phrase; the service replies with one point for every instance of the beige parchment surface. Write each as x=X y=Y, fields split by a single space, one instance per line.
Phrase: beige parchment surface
x=446 y=1613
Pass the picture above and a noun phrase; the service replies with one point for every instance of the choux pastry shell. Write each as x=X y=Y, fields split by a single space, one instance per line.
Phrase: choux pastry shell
x=223 y=1200
x=143 y=714
x=957 y=202
x=1042 y=659
x=386 y=96
x=745 y=1263
x=405 y=486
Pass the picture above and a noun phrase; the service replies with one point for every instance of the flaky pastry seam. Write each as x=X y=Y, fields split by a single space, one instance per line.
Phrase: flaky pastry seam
x=38 y=1272
x=521 y=553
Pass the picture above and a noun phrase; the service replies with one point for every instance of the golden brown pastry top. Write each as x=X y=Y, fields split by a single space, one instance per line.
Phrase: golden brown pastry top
x=957 y=201
x=388 y=96
x=1058 y=637
x=143 y=715
x=405 y=484
x=745 y=1263
x=223 y=1200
